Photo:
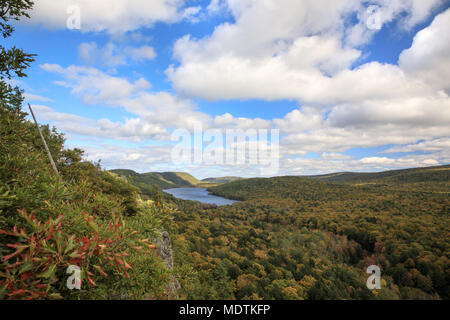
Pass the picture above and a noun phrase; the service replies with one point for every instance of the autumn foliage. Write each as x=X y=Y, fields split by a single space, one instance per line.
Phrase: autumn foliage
x=44 y=251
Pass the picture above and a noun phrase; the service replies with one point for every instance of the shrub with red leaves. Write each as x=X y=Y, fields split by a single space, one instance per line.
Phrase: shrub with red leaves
x=41 y=256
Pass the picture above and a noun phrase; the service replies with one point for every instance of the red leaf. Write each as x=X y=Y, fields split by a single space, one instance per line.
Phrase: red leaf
x=91 y=281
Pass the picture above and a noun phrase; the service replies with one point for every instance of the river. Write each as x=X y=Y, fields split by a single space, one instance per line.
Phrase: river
x=198 y=194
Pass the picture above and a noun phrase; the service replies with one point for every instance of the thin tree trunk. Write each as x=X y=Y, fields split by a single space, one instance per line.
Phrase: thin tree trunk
x=43 y=141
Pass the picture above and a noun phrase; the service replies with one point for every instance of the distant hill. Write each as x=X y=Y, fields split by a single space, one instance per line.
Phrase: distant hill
x=222 y=179
x=433 y=179
x=429 y=179
x=288 y=187
x=163 y=180
x=414 y=175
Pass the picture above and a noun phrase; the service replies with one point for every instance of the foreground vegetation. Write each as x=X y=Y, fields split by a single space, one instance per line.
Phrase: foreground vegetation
x=81 y=216
x=84 y=216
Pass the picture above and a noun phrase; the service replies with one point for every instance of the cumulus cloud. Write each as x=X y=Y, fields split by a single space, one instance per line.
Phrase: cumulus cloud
x=398 y=122
x=434 y=145
x=407 y=112
x=429 y=56
x=299 y=120
x=306 y=129
x=95 y=86
x=141 y=159
x=292 y=57
x=227 y=121
x=334 y=139
x=131 y=129
x=113 y=16
x=303 y=58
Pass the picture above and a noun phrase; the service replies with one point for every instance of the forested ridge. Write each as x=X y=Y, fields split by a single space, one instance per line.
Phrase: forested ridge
x=163 y=180
x=298 y=238
x=146 y=182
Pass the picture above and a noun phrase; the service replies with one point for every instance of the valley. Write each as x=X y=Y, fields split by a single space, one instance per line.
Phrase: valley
x=307 y=238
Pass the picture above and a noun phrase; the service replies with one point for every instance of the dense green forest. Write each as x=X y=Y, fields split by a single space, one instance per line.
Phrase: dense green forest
x=432 y=179
x=222 y=179
x=428 y=174
x=299 y=238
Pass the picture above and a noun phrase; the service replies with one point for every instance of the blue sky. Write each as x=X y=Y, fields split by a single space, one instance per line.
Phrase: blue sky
x=344 y=96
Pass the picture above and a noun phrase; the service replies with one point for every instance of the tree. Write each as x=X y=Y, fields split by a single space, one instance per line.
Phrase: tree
x=13 y=61
x=156 y=194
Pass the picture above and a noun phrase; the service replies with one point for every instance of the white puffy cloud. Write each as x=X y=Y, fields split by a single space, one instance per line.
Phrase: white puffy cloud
x=429 y=56
x=94 y=86
x=408 y=112
x=307 y=58
x=141 y=159
x=131 y=129
x=301 y=54
x=299 y=120
x=228 y=121
x=230 y=77
x=112 y=16
x=398 y=122
x=307 y=129
x=440 y=144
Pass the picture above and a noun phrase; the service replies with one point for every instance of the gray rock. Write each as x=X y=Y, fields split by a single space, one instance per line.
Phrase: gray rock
x=164 y=250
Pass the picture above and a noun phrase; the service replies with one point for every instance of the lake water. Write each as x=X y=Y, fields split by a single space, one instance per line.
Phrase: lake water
x=198 y=194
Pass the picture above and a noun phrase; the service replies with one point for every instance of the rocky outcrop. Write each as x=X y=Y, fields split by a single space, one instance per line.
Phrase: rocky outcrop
x=164 y=250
